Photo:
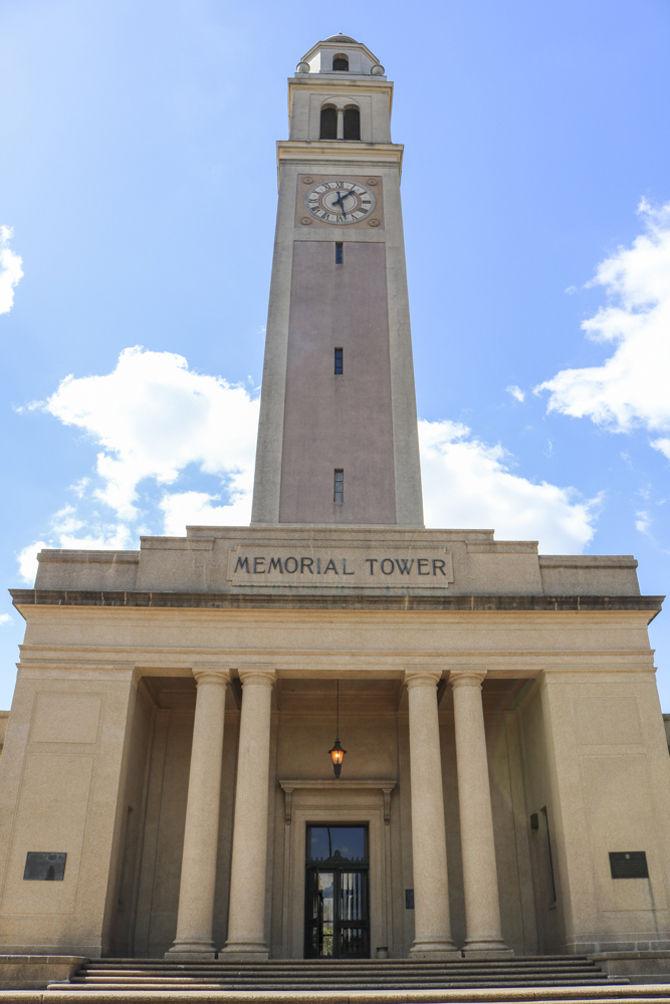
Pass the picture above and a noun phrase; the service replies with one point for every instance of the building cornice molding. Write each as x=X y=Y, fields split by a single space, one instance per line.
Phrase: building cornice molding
x=336 y=601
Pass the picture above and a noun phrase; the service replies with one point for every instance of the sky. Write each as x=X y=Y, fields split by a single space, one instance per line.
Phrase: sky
x=137 y=210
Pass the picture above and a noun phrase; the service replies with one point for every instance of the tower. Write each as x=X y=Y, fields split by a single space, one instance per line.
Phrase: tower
x=337 y=440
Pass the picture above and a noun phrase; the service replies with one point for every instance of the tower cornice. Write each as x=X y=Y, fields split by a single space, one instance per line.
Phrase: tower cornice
x=339 y=150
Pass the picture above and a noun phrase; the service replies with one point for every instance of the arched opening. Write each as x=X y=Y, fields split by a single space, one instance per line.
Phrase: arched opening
x=352 y=123
x=340 y=62
x=328 y=122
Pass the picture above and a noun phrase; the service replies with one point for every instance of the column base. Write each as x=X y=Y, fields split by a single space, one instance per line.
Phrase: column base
x=438 y=951
x=197 y=951
x=481 y=950
x=244 y=952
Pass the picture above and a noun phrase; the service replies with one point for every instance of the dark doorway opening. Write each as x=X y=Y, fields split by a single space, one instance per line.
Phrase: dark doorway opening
x=337 y=918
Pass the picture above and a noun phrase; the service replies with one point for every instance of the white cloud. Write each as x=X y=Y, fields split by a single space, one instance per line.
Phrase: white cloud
x=642 y=521
x=11 y=271
x=5 y=619
x=630 y=389
x=182 y=509
x=516 y=392
x=152 y=417
x=662 y=445
x=69 y=530
x=27 y=560
x=467 y=483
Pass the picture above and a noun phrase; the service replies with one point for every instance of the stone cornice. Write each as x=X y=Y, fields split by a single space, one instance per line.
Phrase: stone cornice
x=335 y=601
x=339 y=150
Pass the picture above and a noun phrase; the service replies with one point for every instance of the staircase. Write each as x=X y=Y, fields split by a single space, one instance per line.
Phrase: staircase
x=545 y=978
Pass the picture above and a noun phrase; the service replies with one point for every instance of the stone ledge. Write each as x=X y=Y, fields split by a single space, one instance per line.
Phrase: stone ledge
x=334 y=601
x=637 y=965
x=34 y=972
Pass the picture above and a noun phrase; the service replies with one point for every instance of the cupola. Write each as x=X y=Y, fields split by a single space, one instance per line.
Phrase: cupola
x=340 y=54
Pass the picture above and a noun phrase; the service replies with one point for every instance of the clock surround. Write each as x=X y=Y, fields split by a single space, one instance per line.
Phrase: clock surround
x=339 y=200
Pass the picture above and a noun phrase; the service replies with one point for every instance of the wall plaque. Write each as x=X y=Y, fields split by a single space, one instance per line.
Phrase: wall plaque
x=628 y=864
x=45 y=866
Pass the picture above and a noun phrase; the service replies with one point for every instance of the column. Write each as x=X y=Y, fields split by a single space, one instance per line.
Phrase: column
x=432 y=930
x=246 y=912
x=340 y=123
x=201 y=833
x=483 y=935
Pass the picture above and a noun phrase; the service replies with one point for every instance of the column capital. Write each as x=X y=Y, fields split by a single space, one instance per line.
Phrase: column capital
x=422 y=677
x=210 y=674
x=263 y=676
x=466 y=677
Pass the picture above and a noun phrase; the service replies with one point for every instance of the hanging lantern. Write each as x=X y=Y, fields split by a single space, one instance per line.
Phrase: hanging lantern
x=337 y=752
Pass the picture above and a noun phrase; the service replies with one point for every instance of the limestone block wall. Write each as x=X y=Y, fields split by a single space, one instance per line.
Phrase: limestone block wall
x=61 y=772
x=610 y=782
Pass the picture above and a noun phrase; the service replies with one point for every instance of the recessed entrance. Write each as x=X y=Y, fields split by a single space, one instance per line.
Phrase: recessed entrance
x=337 y=920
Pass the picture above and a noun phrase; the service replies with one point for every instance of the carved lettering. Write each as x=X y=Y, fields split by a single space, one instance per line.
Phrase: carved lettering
x=352 y=565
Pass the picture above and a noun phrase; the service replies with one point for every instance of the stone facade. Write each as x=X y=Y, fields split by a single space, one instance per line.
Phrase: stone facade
x=175 y=706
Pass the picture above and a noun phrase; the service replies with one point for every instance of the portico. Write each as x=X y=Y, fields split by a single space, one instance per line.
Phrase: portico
x=246 y=925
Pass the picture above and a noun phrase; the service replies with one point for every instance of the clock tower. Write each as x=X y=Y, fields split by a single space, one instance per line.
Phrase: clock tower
x=337 y=439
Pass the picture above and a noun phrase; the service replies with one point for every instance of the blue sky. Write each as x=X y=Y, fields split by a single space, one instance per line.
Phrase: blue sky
x=136 y=139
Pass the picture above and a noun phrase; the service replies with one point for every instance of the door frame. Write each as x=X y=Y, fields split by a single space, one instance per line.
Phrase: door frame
x=345 y=803
x=337 y=871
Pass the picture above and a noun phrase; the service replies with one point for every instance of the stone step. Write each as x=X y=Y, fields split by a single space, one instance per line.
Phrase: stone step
x=351 y=981
x=305 y=963
x=346 y=970
x=638 y=994
x=300 y=981
x=343 y=971
x=346 y=992
x=345 y=966
x=291 y=974
x=345 y=978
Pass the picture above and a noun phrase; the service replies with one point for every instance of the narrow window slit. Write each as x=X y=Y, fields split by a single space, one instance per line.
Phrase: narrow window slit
x=339 y=252
x=338 y=486
x=339 y=362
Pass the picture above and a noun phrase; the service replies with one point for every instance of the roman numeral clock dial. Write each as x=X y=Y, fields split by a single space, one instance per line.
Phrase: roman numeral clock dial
x=339 y=202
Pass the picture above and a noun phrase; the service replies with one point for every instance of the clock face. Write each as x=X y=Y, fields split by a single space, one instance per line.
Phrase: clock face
x=339 y=202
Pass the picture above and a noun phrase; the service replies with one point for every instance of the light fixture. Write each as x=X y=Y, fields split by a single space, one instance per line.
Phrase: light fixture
x=336 y=752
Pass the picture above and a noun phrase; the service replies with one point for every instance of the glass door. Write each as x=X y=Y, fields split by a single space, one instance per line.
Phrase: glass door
x=337 y=922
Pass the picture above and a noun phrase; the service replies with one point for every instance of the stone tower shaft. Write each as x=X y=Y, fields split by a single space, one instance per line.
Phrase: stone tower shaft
x=337 y=439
